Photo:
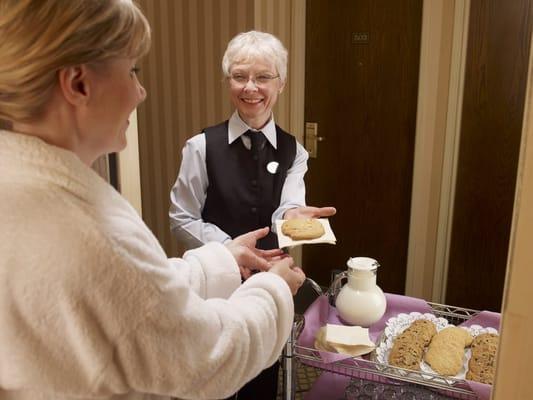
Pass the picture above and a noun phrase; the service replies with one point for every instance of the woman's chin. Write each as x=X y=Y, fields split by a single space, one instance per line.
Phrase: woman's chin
x=120 y=143
x=123 y=144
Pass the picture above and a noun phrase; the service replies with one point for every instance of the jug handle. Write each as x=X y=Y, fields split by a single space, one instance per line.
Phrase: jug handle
x=335 y=287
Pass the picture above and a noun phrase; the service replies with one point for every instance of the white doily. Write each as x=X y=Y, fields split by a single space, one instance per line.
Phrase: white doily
x=396 y=325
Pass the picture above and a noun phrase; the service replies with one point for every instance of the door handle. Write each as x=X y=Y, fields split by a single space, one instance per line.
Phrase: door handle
x=312 y=138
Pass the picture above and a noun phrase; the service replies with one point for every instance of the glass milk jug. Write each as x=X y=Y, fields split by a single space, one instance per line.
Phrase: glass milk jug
x=360 y=302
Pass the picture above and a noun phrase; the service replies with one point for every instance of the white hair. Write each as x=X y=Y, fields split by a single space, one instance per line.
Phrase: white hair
x=255 y=45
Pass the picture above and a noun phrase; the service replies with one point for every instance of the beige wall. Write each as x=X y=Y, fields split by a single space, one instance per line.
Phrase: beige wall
x=274 y=16
x=186 y=93
x=183 y=79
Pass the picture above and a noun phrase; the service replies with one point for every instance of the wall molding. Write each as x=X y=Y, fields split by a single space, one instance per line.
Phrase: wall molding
x=128 y=168
x=442 y=59
x=451 y=150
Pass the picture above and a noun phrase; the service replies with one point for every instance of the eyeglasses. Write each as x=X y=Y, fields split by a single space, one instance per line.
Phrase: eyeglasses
x=260 y=80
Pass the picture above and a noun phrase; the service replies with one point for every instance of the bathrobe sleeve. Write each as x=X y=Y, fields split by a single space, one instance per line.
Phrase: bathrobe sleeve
x=203 y=335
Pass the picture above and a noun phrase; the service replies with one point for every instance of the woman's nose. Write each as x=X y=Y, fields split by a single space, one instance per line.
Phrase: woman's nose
x=250 y=85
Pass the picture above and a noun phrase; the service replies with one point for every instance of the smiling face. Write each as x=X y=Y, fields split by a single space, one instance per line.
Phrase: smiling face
x=254 y=88
x=116 y=93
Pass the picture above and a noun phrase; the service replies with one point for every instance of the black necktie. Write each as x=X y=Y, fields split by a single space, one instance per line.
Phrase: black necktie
x=258 y=140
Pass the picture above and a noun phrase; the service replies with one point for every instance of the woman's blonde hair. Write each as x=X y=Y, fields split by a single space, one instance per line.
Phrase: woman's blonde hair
x=39 y=37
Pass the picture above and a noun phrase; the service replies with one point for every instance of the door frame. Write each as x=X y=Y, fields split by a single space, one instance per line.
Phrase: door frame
x=437 y=128
x=297 y=84
x=440 y=100
x=129 y=168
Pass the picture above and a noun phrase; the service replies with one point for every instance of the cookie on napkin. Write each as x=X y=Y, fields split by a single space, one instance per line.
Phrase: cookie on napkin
x=302 y=228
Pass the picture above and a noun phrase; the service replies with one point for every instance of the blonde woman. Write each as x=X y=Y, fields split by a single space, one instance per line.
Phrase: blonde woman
x=90 y=306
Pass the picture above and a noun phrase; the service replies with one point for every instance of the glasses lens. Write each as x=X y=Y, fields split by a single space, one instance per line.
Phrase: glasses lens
x=264 y=79
x=240 y=79
x=259 y=81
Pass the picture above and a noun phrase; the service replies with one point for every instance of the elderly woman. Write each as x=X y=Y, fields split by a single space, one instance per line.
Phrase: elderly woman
x=90 y=306
x=247 y=172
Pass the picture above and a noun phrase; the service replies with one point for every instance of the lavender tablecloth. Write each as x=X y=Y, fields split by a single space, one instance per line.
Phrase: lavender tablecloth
x=320 y=313
x=328 y=386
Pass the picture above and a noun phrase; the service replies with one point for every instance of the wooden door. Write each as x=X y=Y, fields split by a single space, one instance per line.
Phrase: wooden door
x=362 y=60
x=493 y=104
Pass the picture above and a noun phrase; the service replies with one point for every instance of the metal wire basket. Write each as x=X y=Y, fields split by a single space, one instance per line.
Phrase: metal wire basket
x=368 y=369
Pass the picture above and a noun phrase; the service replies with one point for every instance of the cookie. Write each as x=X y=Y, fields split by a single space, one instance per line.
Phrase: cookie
x=483 y=377
x=424 y=329
x=408 y=347
x=484 y=339
x=482 y=363
x=302 y=229
x=406 y=353
x=447 y=349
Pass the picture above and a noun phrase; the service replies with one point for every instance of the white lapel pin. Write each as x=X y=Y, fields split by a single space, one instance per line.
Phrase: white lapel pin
x=272 y=167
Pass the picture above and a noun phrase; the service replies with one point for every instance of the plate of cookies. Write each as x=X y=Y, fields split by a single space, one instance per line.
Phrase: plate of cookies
x=294 y=232
x=436 y=349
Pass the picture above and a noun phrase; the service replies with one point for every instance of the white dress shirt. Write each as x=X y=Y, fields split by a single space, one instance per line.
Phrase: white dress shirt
x=188 y=195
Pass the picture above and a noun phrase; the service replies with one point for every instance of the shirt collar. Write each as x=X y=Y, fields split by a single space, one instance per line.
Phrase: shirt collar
x=236 y=127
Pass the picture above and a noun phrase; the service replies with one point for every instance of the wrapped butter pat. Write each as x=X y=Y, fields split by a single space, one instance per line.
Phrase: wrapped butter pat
x=348 y=335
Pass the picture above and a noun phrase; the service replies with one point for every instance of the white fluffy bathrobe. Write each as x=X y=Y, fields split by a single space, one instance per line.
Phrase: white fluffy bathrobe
x=90 y=306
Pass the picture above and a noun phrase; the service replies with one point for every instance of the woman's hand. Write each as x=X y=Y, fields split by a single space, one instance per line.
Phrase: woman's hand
x=294 y=276
x=248 y=257
x=309 y=212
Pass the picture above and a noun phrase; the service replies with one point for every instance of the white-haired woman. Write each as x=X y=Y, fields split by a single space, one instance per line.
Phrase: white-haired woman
x=90 y=306
x=247 y=172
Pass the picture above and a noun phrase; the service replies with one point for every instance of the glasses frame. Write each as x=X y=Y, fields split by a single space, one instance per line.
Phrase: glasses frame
x=264 y=81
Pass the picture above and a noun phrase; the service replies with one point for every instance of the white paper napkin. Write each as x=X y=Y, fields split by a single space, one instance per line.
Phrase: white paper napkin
x=352 y=340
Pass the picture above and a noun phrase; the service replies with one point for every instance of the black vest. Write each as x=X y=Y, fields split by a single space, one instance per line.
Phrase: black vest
x=242 y=194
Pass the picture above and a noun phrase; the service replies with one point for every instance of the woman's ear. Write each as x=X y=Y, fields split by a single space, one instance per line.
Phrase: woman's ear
x=74 y=84
x=282 y=86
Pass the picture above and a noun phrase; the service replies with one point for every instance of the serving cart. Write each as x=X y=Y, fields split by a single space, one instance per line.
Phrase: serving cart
x=367 y=368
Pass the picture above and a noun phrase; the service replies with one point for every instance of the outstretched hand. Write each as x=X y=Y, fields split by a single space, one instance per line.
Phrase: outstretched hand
x=309 y=212
x=248 y=257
